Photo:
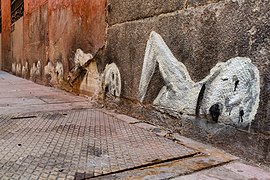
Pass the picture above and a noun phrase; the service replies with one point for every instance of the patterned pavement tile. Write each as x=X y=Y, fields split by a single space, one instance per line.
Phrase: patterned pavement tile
x=78 y=144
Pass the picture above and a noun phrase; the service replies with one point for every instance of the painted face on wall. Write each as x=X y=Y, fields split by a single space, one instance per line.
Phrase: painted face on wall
x=234 y=89
x=229 y=94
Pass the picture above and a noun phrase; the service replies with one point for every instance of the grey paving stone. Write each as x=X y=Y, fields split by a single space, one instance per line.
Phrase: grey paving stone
x=231 y=171
x=79 y=140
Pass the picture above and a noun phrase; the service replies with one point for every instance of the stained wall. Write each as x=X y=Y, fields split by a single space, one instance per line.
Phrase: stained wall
x=80 y=25
x=17 y=45
x=6 y=35
x=199 y=34
x=51 y=32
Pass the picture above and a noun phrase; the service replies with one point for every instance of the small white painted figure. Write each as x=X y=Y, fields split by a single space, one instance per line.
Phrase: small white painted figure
x=112 y=80
x=81 y=58
x=25 y=70
x=38 y=70
x=59 y=70
x=229 y=94
x=18 y=69
x=13 y=68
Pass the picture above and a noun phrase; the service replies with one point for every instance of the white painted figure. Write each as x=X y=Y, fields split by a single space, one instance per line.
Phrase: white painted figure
x=59 y=70
x=81 y=58
x=112 y=80
x=55 y=73
x=35 y=70
x=13 y=68
x=229 y=94
x=18 y=69
x=38 y=70
x=49 y=69
x=25 y=70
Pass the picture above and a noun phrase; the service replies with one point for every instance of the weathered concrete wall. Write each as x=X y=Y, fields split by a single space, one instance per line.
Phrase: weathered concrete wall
x=199 y=34
x=36 y=40
x=80 y=25
x=17 y=46
x=6 y=36
x=33 y=5
x=53 y=31
x=0 y=51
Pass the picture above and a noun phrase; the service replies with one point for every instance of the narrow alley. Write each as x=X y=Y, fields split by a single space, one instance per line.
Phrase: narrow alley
x=135 y=89
x=46 y=133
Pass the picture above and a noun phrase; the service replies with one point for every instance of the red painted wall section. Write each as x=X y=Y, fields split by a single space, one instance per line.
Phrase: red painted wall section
x=33 y=5
x=35 y=36
x=60 y=4
x=75 y=24
x=55 y=29
x=92 y=14
x=6 y=35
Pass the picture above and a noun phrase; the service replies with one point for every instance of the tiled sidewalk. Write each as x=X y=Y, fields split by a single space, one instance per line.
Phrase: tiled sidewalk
x=78 y=143
x=46 y=133
x=22 y=96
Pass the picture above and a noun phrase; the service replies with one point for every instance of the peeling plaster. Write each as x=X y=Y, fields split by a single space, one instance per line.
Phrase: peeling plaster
x=90 y=84
x=229 y=94
x=81 y=58
x=86 y=72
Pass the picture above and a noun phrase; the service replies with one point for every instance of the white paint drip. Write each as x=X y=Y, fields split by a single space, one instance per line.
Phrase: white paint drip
x=25 y=69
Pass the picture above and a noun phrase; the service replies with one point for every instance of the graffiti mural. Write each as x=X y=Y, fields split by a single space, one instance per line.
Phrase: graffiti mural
x=25 y=70
x=35 y=71
x=90 y=84
x=112 y=80
x=81 y=58
x=229 y=94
